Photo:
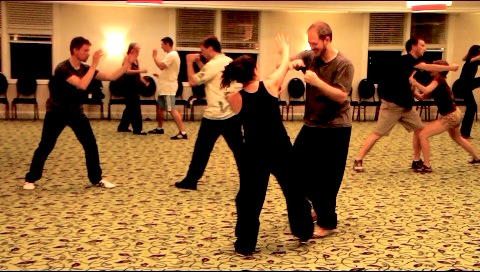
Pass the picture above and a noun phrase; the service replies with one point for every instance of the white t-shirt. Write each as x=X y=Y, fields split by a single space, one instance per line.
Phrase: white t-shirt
x=218 y=107
x=168 y=78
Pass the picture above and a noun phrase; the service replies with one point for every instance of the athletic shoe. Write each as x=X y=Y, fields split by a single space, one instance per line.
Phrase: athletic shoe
x=124 y=130
x=186 y=185
x=179 y=136
x=358 y=165
x=473 y=161
x=105 y=184
x=156 y=131
x=140 y=133
x=424 y=169
x=417 y=164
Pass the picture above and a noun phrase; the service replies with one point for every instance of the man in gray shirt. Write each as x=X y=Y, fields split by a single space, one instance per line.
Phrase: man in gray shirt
x=325 y=135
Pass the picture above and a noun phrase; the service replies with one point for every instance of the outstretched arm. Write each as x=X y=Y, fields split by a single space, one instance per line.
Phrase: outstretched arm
x=274 y=81
x=127 y=63
x=436 y=67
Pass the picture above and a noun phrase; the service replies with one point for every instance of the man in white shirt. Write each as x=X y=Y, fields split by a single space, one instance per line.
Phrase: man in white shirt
x=218 y=118
x=167 y=89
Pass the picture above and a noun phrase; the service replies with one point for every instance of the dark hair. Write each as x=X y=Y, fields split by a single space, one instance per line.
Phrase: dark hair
x=411 y=42
x=212 y=41
x=168 y=40
x=241 y=70
x=472 y=52
x=323 y=30
x=130 y=47
x=77 y=43
x=442 y=62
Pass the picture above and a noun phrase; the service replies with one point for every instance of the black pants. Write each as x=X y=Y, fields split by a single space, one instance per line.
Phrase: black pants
x=321 y=155
x=53 y=125
x=132 y=114
x=208 y=134
x=471 y=108
x=258 y=165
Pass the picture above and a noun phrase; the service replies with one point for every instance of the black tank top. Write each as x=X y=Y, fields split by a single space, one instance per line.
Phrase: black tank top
x=261 y=119
x=443 y=97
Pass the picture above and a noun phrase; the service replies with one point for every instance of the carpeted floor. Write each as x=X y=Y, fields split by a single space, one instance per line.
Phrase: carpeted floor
x=389 y=217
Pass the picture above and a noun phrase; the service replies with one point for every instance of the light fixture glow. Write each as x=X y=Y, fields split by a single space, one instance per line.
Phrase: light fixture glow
x=115 y=43
x=411 y=4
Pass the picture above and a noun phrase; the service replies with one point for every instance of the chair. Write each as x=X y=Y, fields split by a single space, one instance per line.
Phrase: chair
x=354 y=104
x=296 y=94
x=283 y=105
x=26 y=94
x=424 y=106
x=179 y=101
x=148 y=92
x=117 y=93
x=197 y=99
x=366 y=93
x=3 y=95
x=95 y=95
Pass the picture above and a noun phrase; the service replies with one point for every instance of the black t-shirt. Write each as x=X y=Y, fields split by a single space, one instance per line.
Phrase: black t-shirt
x=395 y=87
x=64 y=96
x=469 y=70
x=442 y=95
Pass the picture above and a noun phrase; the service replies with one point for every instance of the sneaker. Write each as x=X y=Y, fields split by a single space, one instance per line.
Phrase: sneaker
x=105 y=184
x=424 y=169
x=417 y=164
x=319 y=232
x=156 y=131
x=186 y=185
x=473 y=161
x=357 y=165
x=179 y=136
x=124 y=130
x=140 y=133
x=28 y=185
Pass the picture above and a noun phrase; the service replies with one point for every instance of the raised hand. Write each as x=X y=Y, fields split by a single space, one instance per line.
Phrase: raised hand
x=96 y=57
x=154 y=53
x=282 y=43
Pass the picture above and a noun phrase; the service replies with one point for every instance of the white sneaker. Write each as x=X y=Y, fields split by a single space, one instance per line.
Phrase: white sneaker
x=106 y=184
x=28 y=185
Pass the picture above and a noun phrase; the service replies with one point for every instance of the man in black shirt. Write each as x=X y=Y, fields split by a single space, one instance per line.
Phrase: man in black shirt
x=70 y=81
x=397 y=101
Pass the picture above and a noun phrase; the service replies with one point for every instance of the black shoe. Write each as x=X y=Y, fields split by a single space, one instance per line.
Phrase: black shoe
x=179 y=136
x=124 y=130
x=424 y=169
x=186 y=185
x=417 y=164
x=156 y=131
x=140 y=133
x=473 y=161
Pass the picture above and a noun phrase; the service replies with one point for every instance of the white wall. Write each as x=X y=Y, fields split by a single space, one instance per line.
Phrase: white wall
x=147 y=26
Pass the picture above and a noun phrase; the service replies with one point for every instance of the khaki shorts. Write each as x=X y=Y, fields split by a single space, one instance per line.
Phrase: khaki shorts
x=452 y=120
x=391 y=114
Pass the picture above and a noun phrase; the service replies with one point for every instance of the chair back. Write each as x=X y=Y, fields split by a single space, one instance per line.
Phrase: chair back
x=296 y=88
x=366 y=89
x=96 y=89
x=116 y=88
x=148 y=91
x=3 y=84
x=26 y=86
x=457 y=89
x=199 y=91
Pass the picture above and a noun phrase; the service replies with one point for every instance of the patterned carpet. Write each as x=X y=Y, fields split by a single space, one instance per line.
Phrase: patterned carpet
x=389 y=217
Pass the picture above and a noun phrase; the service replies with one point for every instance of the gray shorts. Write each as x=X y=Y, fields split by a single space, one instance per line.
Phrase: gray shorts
x=166 y=102
x=391 y=114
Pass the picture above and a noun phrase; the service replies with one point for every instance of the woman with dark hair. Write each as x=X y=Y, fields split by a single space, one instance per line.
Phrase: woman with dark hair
x=467 y=82
x=268 y=149
x=450 y=116
x=131 y=80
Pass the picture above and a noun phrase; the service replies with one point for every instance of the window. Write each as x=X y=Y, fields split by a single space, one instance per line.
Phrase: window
x=386 y=29
x=31 y=55
x=431 y=27
x=193 y=26
x=239 y=29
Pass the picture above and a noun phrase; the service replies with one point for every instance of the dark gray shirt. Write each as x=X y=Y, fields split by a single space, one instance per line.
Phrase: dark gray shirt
x=321 y=111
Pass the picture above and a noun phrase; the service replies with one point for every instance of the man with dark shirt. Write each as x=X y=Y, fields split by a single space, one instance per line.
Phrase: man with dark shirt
x=397 y=101
x=321 y=147
x=70 y=81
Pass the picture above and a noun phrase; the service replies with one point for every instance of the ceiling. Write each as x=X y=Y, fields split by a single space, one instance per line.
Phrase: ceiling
x=292 y=6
